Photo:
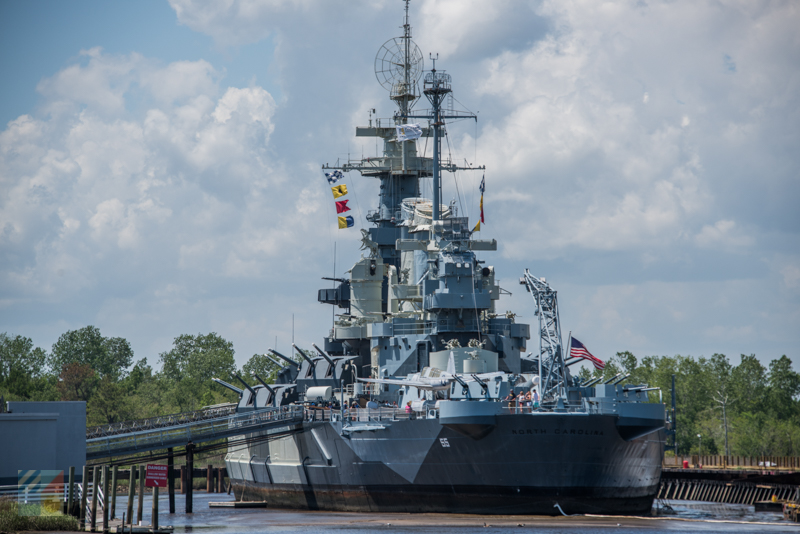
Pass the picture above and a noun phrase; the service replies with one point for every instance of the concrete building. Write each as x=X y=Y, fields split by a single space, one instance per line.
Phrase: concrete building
x=42 y=435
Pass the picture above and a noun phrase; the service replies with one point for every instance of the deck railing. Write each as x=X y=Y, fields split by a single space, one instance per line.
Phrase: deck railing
x=207 y=429
x=712 y=461
x=162 y=421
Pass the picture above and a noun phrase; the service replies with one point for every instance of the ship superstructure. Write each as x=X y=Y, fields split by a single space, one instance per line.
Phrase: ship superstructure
x=406 y=398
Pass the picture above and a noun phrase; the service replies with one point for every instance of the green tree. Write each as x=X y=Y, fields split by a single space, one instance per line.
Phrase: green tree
x=22 y=366
x=749 y=381
x=153 y=397
x=784 y=387
x=138 y=375
x=627 y=364
x=722 y=393
x=741 y=409
x=110 y=404
x=107 y=356
x=77 y=382
x=191 y=364
x=258 y=364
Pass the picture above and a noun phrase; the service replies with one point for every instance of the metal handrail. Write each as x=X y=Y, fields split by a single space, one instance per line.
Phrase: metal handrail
x=147 y=439
x=412 y=327
x=162 y=421
x=15 y=490
x=101 y=501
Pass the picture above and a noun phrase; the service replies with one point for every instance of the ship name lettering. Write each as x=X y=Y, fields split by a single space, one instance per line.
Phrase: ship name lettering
x=523 y=431
x=579 y=432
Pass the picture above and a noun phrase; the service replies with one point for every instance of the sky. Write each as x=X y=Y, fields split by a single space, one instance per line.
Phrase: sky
x=160 y=164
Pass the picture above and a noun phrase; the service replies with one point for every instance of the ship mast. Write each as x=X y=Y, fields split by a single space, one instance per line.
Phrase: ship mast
x=399 y=68
x=437 y=87
x=406 y=64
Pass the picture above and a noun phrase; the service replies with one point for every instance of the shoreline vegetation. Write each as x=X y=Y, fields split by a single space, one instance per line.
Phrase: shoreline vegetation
x=14 y=519
x=744 y=408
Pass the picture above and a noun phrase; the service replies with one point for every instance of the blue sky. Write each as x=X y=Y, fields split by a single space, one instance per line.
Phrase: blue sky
x=159 y=164
x=39 y=38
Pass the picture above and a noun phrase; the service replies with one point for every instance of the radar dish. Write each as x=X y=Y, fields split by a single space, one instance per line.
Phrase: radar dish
x=390 y=63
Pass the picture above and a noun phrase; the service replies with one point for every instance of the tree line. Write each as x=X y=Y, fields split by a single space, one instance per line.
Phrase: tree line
x=84 y=365
x=743 y=409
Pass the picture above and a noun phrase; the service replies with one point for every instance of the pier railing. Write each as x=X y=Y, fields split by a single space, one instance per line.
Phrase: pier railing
x=710 y=461
x=162 y=421
x=736 y=492
x=363 y=415
x=180 y=432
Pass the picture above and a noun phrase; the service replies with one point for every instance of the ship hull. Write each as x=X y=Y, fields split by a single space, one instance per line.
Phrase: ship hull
x=524 y=464
x=485 y=500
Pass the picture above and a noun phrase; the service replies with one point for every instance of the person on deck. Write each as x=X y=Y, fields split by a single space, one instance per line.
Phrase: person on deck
x=510 y=398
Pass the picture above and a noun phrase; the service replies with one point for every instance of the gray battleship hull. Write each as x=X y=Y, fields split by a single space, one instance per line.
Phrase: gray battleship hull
x=525 y=465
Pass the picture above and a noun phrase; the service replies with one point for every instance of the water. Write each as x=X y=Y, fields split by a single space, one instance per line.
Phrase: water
x=689 y=516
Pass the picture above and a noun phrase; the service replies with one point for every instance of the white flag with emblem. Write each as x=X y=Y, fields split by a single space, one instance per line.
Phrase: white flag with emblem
x=408 y=132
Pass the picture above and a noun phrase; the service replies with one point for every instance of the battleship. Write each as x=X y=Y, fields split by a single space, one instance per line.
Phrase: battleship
x=407 y=396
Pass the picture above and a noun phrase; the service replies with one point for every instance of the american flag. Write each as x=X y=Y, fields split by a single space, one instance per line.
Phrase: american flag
x=579 y=350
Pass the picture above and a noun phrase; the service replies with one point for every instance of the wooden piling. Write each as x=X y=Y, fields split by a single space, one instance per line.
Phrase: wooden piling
x=219 y=480
x=171 y=480
x=95 y=477
x=131 y=493
x=189 y=475
x=113 y=512
x=85 y=486
x=105 y=498
x=140 y=503
x=154 y=513
x=183 y=479
x=209 y=479
x=71 y=489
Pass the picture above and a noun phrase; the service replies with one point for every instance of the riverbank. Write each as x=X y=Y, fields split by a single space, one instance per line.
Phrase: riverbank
x=41 y=519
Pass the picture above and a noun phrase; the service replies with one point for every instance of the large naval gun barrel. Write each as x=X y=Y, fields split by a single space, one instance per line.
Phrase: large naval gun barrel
x=251 y=390
x=304 y=355
x=271 y=391
x=229 y=386
x=617 y=381
x=273 y=360
x=322 y=353
x=263 y=383
x=612 y=378
x=284 y=358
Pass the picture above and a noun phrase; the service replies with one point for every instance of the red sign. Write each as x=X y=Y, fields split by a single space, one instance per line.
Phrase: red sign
x=156 y=476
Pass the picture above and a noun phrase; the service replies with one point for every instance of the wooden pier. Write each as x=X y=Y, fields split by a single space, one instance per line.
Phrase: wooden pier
x=731 y=479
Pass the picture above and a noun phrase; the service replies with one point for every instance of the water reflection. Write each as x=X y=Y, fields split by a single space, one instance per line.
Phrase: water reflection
x=686 y=516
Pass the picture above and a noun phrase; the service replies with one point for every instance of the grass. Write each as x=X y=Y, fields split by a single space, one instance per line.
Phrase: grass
x=46 y=519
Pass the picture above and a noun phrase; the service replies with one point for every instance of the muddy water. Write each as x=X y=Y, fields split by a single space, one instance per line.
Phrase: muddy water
x=685 y=516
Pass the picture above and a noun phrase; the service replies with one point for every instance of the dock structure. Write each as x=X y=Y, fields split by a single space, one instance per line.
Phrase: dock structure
x=167 y=432
x=715 y=462
x=731 y=479
x=177 y=430
x=734 y=492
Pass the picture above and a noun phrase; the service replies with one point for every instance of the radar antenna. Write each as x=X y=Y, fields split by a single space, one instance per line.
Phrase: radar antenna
x=398 y=67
